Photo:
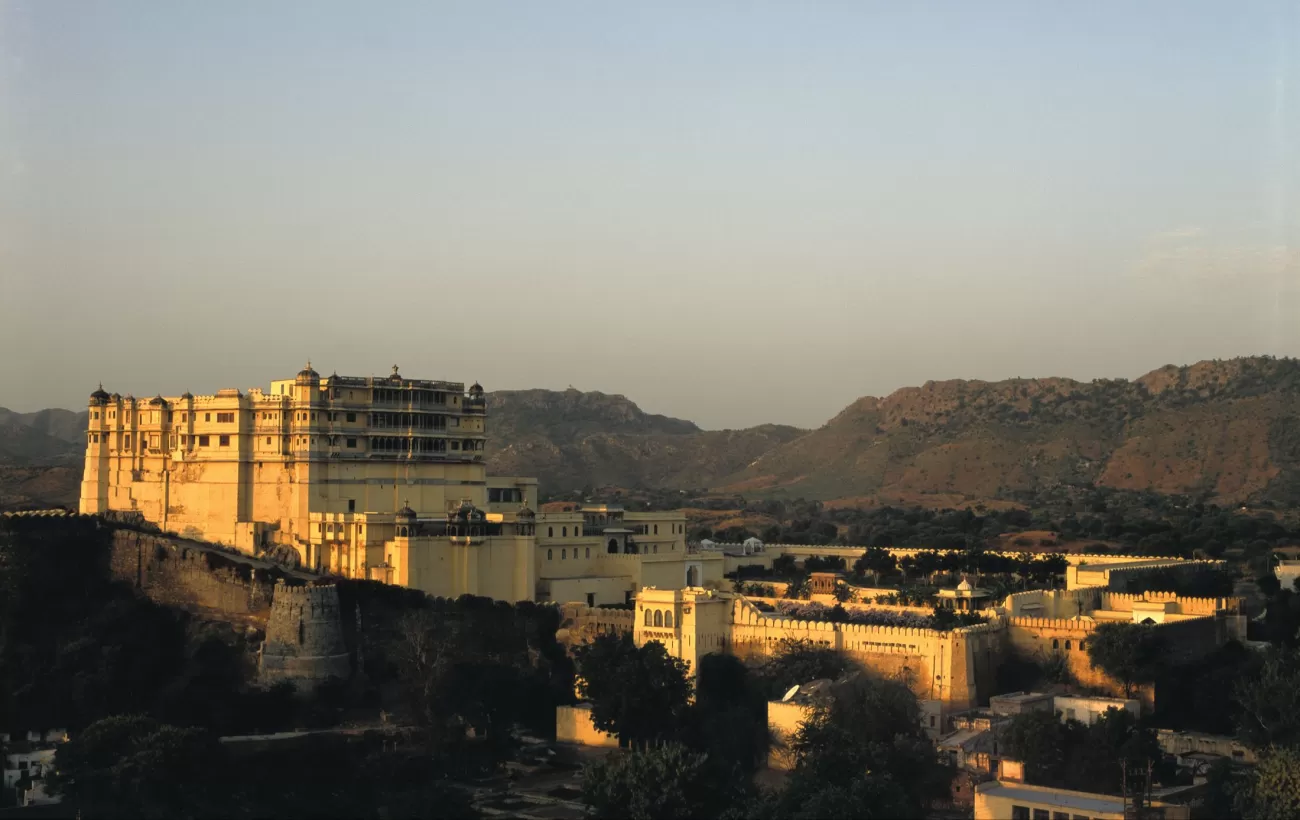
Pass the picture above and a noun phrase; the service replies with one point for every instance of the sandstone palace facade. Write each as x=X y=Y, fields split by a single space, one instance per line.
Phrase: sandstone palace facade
x=381 y=478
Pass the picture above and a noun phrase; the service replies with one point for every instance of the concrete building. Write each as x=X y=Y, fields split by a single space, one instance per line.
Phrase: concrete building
x=27 y=761
x=370 y=477
x=1003 y=800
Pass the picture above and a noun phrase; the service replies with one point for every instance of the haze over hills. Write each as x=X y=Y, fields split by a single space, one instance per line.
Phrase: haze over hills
x=1225 y=430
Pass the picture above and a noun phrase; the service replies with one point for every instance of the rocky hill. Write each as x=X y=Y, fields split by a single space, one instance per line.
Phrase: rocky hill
x=1224 y=430
x=572 y=439
x=1227 y=430
x=40 y=457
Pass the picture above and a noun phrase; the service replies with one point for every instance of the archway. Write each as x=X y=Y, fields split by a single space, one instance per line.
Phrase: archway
x=613 y=545
x=692 y=576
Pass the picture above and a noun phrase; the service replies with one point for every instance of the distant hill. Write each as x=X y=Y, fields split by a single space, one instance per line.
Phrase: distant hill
x=572 y=439
x=1225 y=430
x=41 y=438
x=1228 y=430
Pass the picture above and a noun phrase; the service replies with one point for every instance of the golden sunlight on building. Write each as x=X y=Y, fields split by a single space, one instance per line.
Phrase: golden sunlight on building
x=369 y=477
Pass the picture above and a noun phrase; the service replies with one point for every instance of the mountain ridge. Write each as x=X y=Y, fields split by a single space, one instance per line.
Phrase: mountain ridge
x=1225 y=430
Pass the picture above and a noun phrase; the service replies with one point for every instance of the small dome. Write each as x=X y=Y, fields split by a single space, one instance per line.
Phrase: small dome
x=525 y=513
x=129 y=398
x=476 y=389
x=964 y=586
x=99 y=396
x=307 y=373
x=406 y=511
x=187 y=395
x=116 y=397
x=157 y=401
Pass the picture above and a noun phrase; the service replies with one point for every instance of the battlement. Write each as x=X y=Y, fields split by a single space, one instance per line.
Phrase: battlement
x=1191 y=605
x=304 y=636
x=1072 y=624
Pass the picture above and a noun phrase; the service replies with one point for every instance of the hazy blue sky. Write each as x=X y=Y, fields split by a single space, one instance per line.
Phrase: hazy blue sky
x=730 y=212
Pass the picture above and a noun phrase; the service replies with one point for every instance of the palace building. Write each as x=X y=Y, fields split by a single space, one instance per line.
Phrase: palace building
x=369 y=477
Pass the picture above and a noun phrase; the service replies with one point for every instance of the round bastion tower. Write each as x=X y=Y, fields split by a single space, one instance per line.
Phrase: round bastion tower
x=304 y=637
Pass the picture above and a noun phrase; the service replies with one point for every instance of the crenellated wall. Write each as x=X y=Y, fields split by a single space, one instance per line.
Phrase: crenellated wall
x=304 y=636
x=580 y=623
x=178 y=573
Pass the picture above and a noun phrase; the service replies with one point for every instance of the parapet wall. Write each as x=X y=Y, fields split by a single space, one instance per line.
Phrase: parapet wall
x=1123 y=602
x=304 y=636
x=583 y=623
x=179 y=573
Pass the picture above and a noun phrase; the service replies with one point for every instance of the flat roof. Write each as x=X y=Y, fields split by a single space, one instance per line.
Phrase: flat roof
x=1084 y=803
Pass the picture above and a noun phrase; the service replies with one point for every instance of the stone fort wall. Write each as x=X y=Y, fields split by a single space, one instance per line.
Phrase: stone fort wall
x=304 y=636
x=580 y=623
x=957 y=667
x=179 y=573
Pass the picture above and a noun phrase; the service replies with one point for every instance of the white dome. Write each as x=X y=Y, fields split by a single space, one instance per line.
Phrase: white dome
x=964 y=586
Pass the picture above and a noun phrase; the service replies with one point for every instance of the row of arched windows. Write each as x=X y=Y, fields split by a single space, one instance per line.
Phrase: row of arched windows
x=564 y=554
x=1056 y=644
x=659 y=617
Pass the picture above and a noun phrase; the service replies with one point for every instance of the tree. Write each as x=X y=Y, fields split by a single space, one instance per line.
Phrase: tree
x=799 y=661
x=639 y=694
x=132 y=766
x=1130 y=653
x=1039 y=740
x=1269 y=701
x=844 y=593
x=862 y=753
x=927 y=563
x=1273 y=790
x=875 y=561
x=667 y=781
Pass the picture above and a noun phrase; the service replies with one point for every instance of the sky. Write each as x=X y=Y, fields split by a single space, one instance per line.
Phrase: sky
x=731 y=212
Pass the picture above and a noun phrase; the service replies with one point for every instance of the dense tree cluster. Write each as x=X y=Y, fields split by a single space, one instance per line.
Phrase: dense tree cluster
x=1138 y=522
x=134 y=767
x=1067 y=754
x=860 y=754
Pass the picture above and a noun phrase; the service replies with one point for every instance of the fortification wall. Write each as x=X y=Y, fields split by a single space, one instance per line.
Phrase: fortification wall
x=179 y=573
x=955 y=667
x=1123 y=602
x=580 y=623
x=304 y=636
x=1052 y=603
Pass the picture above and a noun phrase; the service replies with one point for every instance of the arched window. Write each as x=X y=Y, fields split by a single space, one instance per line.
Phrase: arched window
x=549 y=555
x=550 y=532
x=648 y=616
x=1083 y=645
x=577 y=531
x=1056 y=644
x=564 y=555
x=692 y=577
x=659 y=618
x=656 y=529
x=565 y=532
x=588 y=555
x=1067 y=646
x=302 y=632
x=656 y=548
x=613 y=545
x=668 y=620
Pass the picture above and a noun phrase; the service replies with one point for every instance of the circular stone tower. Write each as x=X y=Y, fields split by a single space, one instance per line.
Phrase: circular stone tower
x=304 y=637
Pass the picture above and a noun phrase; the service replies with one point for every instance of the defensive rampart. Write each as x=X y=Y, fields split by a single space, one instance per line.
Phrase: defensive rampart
x=304 y=637
x=188 y=575
x=580 y=623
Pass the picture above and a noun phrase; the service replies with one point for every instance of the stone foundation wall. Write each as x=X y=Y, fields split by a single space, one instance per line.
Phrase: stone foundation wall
x=179 y=573
x=304 y=637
